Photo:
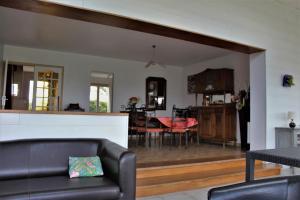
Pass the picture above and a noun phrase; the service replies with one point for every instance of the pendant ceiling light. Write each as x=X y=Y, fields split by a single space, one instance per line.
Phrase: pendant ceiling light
x=153 y=61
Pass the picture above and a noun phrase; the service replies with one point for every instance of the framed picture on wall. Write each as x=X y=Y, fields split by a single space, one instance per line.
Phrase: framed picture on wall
x=156 y=93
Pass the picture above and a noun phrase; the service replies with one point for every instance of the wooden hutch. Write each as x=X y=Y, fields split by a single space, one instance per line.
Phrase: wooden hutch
x=217 y=118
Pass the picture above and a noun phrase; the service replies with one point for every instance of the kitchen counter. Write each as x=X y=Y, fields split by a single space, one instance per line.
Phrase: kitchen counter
x=63 y=113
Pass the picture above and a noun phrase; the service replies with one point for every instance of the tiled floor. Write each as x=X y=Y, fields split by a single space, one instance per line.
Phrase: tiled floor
x=187 y=195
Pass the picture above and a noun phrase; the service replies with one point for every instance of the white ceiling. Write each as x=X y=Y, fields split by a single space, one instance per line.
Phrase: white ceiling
x=291 y=3
x=48 y=32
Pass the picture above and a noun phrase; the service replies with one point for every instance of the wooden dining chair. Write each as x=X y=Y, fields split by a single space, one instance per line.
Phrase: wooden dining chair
x=194 y=130
x=146 y=126
x=137 y=124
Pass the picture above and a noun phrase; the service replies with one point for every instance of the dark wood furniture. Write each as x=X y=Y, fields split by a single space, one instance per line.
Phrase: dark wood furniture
x=212 y=81
x=217 y=119
x=285 y=156
x=156 y=93
x=217 y=123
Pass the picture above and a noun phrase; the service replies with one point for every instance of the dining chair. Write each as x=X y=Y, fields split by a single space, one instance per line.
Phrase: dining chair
x=146 y=126
x=136 y=125
x=194 y=130
x=179 y=116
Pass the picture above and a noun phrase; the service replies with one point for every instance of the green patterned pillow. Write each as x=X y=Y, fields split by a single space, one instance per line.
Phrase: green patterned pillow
x=85 y=166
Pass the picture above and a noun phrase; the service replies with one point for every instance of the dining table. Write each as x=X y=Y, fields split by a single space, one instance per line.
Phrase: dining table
x=178 y=122
x=179 y=125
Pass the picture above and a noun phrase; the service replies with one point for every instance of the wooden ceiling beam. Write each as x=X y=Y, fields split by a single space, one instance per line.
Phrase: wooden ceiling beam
x=58 y=10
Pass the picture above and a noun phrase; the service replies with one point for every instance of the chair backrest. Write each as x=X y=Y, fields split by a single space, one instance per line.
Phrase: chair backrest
x=44 y=157
x=279 y=188
x=180 y=112
x=179 y=115
x=139 y=119
x=193 y=112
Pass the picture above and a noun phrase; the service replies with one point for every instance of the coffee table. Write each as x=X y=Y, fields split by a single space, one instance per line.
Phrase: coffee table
x=285 y=156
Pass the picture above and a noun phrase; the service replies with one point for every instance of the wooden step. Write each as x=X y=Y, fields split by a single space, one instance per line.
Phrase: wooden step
x=188 y=172
x=152 y=172
x=155 y=181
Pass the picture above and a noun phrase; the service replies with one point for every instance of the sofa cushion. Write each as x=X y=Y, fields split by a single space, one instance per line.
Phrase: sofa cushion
x=85 y=166
x=58 y=188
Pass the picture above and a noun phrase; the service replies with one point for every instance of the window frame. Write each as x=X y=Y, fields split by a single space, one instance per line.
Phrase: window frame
x=98 y=85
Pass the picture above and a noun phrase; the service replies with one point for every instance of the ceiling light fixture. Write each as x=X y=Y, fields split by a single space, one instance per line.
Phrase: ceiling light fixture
x=153 y=61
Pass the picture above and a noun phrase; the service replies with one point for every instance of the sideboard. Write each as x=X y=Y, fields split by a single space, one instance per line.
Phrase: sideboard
x=286 y=137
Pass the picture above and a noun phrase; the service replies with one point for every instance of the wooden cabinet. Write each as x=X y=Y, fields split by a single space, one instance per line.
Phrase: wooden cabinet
x=217 y=123
x=212 y=81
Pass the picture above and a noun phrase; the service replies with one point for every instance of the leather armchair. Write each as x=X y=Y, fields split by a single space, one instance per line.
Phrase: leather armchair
x=120 y=166
x=282 y=188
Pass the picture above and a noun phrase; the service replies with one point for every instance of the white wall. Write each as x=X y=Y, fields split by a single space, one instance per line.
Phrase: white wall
x=14 y=126
x=129 y=76
x=268 y=24
x=1 y=71
x=258 y=89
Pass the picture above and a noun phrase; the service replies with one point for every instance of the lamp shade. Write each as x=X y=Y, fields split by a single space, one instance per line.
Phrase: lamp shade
x=291 y=115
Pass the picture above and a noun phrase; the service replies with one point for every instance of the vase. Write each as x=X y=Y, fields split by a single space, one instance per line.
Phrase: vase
x=292 y=124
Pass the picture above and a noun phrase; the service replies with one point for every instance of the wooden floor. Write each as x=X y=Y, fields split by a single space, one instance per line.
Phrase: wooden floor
x=168 y=169
x=172 y=155
x=161 y=180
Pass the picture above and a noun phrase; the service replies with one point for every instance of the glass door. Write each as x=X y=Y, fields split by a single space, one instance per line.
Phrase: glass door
x=47 y=89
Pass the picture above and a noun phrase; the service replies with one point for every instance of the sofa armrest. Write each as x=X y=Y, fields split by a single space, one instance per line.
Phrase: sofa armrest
x=119 y=164
x=267 y=189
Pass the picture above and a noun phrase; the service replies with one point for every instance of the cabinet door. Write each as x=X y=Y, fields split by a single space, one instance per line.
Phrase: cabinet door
x=200 y=82
x=207 y=123
x=230 y=125
x=219 y=124
x=192 y=83
x=228 y=80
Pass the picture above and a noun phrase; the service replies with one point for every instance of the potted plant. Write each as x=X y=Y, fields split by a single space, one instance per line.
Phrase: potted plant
x=288 y=81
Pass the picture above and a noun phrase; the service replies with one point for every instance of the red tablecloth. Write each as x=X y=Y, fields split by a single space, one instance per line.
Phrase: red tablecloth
x=178 y=122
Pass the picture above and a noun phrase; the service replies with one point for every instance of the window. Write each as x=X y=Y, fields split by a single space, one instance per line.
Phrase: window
x=30 y=95
x=99 y=98
x=14 y=89
x=42 y=95
x=101 y=92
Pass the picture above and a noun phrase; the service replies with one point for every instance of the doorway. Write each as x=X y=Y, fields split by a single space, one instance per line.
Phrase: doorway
x=33 y=87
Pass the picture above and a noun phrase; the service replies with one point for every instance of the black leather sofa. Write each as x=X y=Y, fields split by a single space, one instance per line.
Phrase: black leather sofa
x=282 y=188
x=38 y=170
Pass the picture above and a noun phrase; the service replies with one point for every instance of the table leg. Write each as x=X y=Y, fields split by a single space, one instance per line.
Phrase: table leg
x=250 y=164
x=150 y=138
x=186 y=139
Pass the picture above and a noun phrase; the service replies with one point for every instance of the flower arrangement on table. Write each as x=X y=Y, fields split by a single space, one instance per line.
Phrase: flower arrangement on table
x=132 y=101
